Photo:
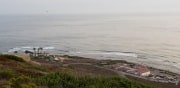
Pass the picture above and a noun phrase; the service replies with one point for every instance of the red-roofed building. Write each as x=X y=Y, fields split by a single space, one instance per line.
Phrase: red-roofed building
x=142 y=71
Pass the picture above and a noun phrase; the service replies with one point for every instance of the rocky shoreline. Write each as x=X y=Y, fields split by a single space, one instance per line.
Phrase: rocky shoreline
x=156 y=75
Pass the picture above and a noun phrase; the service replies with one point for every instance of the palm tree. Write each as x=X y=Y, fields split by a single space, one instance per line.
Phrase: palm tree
x=41 y=49
x=38 y=51
x=34 y=51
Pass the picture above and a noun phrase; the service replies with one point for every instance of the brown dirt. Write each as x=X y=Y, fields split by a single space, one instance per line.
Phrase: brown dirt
x=78 y=69
x=90 y=70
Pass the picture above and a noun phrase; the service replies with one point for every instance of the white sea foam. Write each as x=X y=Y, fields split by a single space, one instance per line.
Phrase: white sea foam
x=177 y=65
x=29 y=48
x=122 y=54
x=110 y=54
x=49 y=48
x=14 y=49
x=26 y=47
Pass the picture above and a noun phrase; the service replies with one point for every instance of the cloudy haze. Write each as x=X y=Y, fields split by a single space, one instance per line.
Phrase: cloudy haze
x=87 y=6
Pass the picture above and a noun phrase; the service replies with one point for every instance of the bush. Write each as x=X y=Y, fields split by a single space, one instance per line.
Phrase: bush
x=12 y=57
x=6 y=74
x=21 y=82
x=61 y=80
x=37 y=68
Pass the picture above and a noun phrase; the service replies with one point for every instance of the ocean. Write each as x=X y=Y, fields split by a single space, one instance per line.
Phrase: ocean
x=152 y=40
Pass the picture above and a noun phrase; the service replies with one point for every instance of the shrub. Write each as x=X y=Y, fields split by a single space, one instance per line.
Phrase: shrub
x=12 y=57
x=62 y=80
x=38 y=68
x=6 y=74
x=21 y=82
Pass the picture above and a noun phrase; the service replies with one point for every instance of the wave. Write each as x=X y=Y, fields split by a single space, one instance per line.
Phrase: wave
x=99 y=52
x=14 y=49
x=119 y=54
x=29 y=48
x=128 y=54
x=26 y=47
x=177 y=65
x=49 y=48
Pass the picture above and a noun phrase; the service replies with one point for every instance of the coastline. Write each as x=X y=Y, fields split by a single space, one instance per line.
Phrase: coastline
x=146 y=62
x=157 y=76
x=168 y=64
x=104 y=68
x=126 y=61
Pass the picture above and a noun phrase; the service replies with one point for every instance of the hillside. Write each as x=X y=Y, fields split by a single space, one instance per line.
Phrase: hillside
x=16 y=73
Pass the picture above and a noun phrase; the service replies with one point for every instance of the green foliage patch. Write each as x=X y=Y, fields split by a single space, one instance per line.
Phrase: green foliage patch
x=6 y=74
x=12 y=57
x=21 y=82
x=37 y=68
x=61 y=80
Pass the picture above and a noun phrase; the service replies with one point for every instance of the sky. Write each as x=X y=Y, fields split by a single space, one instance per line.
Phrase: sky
x=88 y=6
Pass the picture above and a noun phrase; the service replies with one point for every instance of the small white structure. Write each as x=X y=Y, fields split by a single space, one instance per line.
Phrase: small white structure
x=56 y=59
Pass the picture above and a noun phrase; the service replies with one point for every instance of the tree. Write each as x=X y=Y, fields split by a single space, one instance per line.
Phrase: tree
x=41 y=49
x=34 y=51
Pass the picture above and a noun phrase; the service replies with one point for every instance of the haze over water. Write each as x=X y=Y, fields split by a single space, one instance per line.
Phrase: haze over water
x=149 y=39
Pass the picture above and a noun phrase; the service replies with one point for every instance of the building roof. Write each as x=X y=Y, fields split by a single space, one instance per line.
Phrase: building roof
x=142 y=70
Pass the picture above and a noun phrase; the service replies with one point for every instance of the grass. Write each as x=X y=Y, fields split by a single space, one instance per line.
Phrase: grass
x=21 y=82
x=12 y=57
x=64 y=80
x=28 y=76
x=37 y=68
x=6 y=74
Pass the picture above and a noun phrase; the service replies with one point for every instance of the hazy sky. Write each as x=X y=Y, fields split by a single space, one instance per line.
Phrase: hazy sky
x=87 y=6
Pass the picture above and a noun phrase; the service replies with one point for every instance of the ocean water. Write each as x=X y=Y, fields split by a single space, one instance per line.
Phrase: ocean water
x=147 y=39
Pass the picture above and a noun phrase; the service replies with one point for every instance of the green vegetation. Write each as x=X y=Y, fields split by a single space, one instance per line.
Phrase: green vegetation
x=12 y=57
x=37 y=68
x=6 y=74
x=15 y=74
x=65 y=80
x=62 y=80
x=21 y=82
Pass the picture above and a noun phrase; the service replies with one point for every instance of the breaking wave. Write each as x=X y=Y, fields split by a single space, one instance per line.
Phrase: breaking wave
x=125 y=54
x=29 y=48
